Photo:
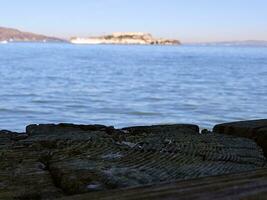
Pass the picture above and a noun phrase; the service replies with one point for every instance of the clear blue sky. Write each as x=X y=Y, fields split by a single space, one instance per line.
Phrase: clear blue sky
x=187 y=20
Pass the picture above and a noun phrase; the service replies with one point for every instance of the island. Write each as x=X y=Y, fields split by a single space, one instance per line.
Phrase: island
x=138 y=38
x=14 y=35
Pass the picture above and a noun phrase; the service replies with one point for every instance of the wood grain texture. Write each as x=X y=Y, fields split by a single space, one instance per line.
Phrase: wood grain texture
x=54 y=161
x=249 y=185
x=253 y=129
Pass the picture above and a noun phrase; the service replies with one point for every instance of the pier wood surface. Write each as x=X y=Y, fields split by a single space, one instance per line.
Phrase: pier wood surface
x=68 y=161
x=254 y=129
x=251 y=185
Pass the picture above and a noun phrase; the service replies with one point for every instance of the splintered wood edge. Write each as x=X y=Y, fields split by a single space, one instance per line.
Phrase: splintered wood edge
x=245 y=185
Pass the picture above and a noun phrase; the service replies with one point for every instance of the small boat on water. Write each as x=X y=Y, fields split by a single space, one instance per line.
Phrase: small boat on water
x=3 y=42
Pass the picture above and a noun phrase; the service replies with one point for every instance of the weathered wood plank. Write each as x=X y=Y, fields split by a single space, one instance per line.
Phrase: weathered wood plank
x=53 y=161
x=253 y=129
x=246 y=186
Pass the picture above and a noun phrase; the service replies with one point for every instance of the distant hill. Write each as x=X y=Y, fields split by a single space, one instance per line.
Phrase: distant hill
x=235 y=43
x=14 y=35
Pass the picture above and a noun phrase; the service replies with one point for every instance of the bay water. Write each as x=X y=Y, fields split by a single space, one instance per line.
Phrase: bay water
x=123 y=85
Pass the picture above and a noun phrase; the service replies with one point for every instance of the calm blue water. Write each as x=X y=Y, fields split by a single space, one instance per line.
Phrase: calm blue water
x=130 y=85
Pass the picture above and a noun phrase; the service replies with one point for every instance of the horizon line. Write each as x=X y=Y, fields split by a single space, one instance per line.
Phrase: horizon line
x=105 y=33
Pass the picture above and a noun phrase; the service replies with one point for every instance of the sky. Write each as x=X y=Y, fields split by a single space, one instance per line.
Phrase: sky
x=186 y=20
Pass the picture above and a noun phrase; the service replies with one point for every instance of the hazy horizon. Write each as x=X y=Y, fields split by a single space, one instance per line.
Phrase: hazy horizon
x=188 y=21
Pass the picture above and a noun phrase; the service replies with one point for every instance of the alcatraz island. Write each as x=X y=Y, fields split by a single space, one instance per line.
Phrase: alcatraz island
x=138 y=38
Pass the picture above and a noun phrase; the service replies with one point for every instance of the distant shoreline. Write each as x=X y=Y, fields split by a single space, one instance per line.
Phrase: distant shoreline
x=10 y=35
x=144 y=45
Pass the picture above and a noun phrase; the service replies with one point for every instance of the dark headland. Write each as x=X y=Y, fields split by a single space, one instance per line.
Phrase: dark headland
x=14 y=35
x=68 y=161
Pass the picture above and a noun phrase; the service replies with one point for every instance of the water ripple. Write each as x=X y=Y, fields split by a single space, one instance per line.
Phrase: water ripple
x=130 y=85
